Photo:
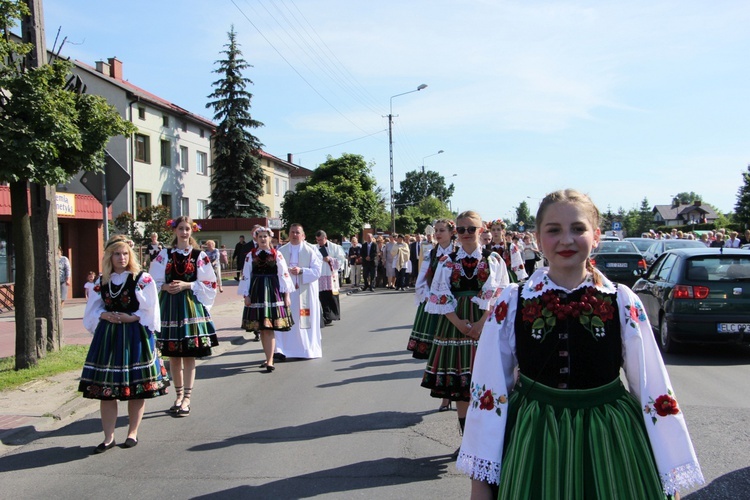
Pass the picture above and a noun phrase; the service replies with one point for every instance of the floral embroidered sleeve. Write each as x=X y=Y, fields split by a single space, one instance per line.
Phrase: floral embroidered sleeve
x=158 y=268
x=440 y=299
x=285 y=280
x=498 y=279
x=492 y=379
x=148 y=311
x=204 y=287
x=421 y=288
x=94 y=307
x=243 y=288
x=649 y=382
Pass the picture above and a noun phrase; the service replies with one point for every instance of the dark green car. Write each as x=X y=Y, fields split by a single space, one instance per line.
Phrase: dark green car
x=698 y=295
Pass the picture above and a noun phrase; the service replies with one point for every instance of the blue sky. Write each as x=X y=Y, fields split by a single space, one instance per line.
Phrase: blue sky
x=621 y=100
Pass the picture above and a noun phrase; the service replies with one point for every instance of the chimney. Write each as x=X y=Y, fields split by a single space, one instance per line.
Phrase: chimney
x=115 y=68
x=696 y=203
x=290 y=158
x=102 y=67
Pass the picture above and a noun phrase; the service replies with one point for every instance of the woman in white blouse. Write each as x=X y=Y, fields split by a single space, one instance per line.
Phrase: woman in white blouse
x=122 y=363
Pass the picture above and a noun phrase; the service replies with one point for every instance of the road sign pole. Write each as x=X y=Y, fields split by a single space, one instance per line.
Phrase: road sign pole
x=105 y=219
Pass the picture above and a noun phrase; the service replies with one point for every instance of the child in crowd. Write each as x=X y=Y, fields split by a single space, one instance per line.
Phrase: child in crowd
x=89 y=284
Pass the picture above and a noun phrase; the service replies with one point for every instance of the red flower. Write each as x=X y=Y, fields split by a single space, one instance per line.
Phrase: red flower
x=531 y=311
x=422 y=348
x=538 y=286
x=97 y=288
x=501 y=311
x=666 y=405
x=487 y=402
x=605 y=311
x=126 y=391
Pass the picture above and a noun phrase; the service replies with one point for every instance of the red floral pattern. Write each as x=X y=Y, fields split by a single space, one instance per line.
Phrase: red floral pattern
x=664 y=406
x=544 y=311
x=501 y=311
x=485 y=399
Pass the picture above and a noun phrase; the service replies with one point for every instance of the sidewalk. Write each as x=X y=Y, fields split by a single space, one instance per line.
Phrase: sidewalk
x=48 y=404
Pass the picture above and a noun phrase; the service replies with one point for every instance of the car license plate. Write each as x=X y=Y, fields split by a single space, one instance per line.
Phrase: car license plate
x=617 y=264
x=733 y=327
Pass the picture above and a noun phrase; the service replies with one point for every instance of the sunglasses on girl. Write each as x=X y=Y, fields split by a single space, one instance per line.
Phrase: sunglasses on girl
x=470 y=229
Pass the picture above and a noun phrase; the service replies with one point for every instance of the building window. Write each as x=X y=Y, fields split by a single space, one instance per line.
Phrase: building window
x=184 y=125
x=184 y=160
x=166 y=154
x=203 y=133
x=142 y=152
x=166 y=200
x=202 y=209
x=141 y=113
x=200 y=163
x=268 y=184
x=284 y=186
x=184 y=206
x=142 y=200
x=165 y=120
x=277 y=186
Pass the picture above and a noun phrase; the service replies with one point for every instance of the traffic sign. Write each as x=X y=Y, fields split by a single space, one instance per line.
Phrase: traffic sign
x=116 y=177
x=616 y=226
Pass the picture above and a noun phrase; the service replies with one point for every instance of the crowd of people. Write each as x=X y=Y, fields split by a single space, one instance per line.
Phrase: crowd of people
x=523 y=336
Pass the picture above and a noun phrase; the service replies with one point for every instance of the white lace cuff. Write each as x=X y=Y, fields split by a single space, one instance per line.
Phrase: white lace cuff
x=681 y=478
x=478 y=468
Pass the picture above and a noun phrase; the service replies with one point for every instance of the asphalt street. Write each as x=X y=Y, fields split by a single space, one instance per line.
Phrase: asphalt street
x=354 y=424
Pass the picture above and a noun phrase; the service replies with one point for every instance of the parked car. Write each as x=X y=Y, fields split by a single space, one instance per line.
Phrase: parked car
x=658 y=247
x=698 y=295
x=609 y=238
x=620 y=261
x=641 y=243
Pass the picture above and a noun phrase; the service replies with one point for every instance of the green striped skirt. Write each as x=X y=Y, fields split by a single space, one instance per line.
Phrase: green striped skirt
x=448 y=372
x=186 y=327
x=267 y=310
x=422 y=333
x=576 y=444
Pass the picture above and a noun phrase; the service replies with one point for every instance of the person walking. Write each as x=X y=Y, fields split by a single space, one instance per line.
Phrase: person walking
x=464 y=289
x=187 y=285
x=63 y=265
x=355 y=261
x=214 y=256
x=369 y=257
x=265 y=286
x=400 y=256
x=549 y=415
x=122 y=362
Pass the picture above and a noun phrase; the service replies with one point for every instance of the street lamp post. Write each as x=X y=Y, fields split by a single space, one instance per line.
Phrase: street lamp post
x=390 y=148
x=424 y=191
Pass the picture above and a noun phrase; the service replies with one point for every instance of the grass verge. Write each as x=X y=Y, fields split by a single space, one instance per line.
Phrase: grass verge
x=70 y=357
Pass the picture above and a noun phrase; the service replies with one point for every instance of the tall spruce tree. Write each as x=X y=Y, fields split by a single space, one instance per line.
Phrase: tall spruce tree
x=237 y=174
x=742 y=208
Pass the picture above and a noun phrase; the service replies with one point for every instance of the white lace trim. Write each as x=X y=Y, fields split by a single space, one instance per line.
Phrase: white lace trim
x=479 y=468
x=681 y=478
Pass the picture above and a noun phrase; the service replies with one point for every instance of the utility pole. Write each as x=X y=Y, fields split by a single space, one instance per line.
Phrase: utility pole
x=43 y=213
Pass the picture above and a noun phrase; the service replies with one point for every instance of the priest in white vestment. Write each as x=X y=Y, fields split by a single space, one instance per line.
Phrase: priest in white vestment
x=304 y=261
x=334 y=258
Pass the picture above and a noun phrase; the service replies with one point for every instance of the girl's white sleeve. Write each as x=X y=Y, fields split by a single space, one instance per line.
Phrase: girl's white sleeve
x=494 y=285
x=158 y=268
x=243 y=289
x=149 y=312
x=649 y=382
x=94 y=307
x=492 y=379
x=421 y=287
x=204 y=287
x=286 y=285
x=440 y=299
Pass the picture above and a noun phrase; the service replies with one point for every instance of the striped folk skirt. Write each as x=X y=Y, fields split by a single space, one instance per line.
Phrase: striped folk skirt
x=572 y=444
x=122 y=363
x=422 y=333
x=186 y=327
x=267 y=310
x=449 y=364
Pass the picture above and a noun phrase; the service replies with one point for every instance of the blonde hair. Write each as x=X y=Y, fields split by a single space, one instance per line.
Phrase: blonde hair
x=115 y=243
x=574 y=198
x=471 y=214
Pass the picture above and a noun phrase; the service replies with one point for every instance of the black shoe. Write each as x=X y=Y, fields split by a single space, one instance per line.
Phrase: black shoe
x=130 y=443
x=104 y=447
x=184 y=412
x=257 y=337
x=279 y=356
x=270 y=368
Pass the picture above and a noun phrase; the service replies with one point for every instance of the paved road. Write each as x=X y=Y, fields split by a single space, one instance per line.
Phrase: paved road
x=354 y=424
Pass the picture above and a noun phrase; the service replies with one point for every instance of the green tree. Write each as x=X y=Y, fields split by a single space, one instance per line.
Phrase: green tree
x=523 y=214
x=340 y=196
x=416 y=217
x=48 y=133
x=237 y=173
x=156 y=218
x=687 y=198
x=125 y=223
x=645 y=218
x=742 y=207
x=418 y=185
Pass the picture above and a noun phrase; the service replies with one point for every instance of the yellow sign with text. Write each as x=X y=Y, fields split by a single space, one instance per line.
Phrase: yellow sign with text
x=66 y=204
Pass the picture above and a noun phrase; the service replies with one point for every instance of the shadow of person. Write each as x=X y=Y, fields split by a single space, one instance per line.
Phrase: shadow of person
x=735 y=484
x=37 y=459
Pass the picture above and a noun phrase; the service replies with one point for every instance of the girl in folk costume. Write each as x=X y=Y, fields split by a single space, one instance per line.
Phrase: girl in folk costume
x=266 y=284
x=423 y=331
x=501 y=244
x=514 y=256
x=567 y=427
x=464 y=288
x=188 y=288
x=122 y=363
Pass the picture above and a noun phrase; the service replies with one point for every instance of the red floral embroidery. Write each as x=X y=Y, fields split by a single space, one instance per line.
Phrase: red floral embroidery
x=501 y=311
x=538 y=286
x=666 y=405
x=592 y=311
x=487 y=401
x=531 y=311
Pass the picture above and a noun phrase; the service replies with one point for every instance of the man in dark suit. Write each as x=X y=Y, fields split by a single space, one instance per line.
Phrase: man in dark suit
x=239 y=256
x=415 y=247
x=369 y=256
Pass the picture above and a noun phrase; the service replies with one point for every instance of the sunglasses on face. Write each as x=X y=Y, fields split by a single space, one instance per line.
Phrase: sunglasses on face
x=470 y=229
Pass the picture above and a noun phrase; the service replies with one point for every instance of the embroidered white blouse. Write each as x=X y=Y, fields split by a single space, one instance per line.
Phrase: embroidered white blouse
x=442 y=301
x=282 y=271
x=145 y=291
x=647 y=377
x=204 y=287
x=421 y=287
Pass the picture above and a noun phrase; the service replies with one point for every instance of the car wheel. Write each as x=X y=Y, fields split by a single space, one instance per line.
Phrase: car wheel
x=666 y=342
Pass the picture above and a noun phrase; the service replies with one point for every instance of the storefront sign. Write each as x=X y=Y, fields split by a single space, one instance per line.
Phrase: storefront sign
x=66 y=204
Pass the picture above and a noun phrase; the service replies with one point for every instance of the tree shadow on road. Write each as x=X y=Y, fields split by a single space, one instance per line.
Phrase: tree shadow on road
x=360 y=476
x=389 y=354
x=378 y=364
x=378 y=377
x=336 y=426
